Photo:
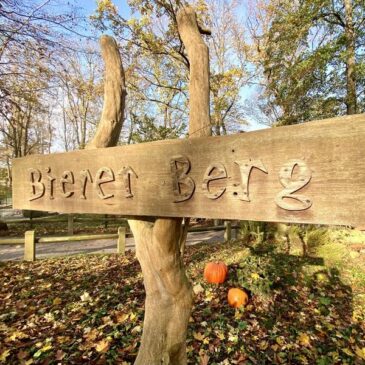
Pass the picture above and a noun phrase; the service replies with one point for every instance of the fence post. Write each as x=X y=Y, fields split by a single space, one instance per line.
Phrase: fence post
x=228 y=231
x=121 y=241
x=29 y=246
x=235 y=231
x=31 y=219
x=70 y=224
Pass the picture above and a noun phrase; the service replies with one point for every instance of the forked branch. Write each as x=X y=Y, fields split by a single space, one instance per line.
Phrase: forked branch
x=112 y=117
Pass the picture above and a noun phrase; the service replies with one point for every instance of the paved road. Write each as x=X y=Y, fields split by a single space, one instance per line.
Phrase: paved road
x=16 y=252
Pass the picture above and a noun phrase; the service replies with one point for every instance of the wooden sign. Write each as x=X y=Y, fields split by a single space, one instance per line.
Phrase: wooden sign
x=308 y=173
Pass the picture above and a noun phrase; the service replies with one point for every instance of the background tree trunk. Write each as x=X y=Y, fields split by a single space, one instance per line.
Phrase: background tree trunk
x=351 y=98
x=169 y=295
x=3 y=226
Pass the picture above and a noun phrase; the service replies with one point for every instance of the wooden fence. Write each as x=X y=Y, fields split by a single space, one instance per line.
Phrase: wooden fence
x=30 y=240
x=68 y=219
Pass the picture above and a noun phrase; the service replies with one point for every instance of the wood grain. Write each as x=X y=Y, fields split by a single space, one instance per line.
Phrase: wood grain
x=333 y=151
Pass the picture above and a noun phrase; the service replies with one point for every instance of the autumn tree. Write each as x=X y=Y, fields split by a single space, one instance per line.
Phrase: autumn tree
x=80 y=94
x=34 y=39
x=30 y=32
x=25 y=119
x=311 y=57
x=229 y=72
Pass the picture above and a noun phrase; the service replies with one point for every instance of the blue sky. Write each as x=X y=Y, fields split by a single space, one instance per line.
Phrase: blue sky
x=90 y=6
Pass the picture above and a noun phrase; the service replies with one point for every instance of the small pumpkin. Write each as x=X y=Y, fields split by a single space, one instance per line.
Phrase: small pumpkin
x=237 y=297
x=215 y=272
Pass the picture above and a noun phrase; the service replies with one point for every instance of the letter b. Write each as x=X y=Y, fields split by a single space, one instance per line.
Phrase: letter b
x=183 y=186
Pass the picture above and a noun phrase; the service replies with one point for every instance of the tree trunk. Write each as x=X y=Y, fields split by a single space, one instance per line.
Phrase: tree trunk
x=199 y=89
x=168 y=292
x=169 y=295
x=351 y=99
x=8 y=170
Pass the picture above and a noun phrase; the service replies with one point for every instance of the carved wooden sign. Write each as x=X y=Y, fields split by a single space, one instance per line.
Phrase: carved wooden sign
x=309 y=173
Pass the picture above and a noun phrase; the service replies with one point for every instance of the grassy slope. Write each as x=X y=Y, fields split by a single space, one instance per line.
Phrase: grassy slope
x=89 y=309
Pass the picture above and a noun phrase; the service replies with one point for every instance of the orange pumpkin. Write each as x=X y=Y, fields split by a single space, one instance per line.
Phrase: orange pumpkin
x=237 y=297
x=215 y=272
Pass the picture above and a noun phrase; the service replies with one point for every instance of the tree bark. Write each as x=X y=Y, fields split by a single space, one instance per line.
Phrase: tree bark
x=111 y=121
x=199 y=89
x=3 y=226
x=199 y=86
x=168 y=292
x=351 y=98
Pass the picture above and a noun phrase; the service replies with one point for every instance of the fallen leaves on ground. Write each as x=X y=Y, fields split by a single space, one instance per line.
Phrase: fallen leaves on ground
x=89 y=309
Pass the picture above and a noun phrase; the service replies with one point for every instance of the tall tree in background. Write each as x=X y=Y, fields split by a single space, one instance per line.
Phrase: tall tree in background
x=80 y=96
x=24 y=127
x=34 y=39
x=31 y=32
x=351 y=35
x=25 y=116
x=228 y=66
x=311 y=56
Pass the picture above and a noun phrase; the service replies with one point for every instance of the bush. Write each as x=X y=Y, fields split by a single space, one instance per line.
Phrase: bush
x=255 y=274
x=256 y=232
x=262 y=235
x=314 y=238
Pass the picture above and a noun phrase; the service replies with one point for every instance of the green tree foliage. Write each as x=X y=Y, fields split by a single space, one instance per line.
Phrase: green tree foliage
x=311 y=55
x=147 y=130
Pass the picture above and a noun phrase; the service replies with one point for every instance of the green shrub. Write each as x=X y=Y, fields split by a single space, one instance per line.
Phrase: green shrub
x=262 y=235
x=255 y=275
x=316 y=238
x=256 y=232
